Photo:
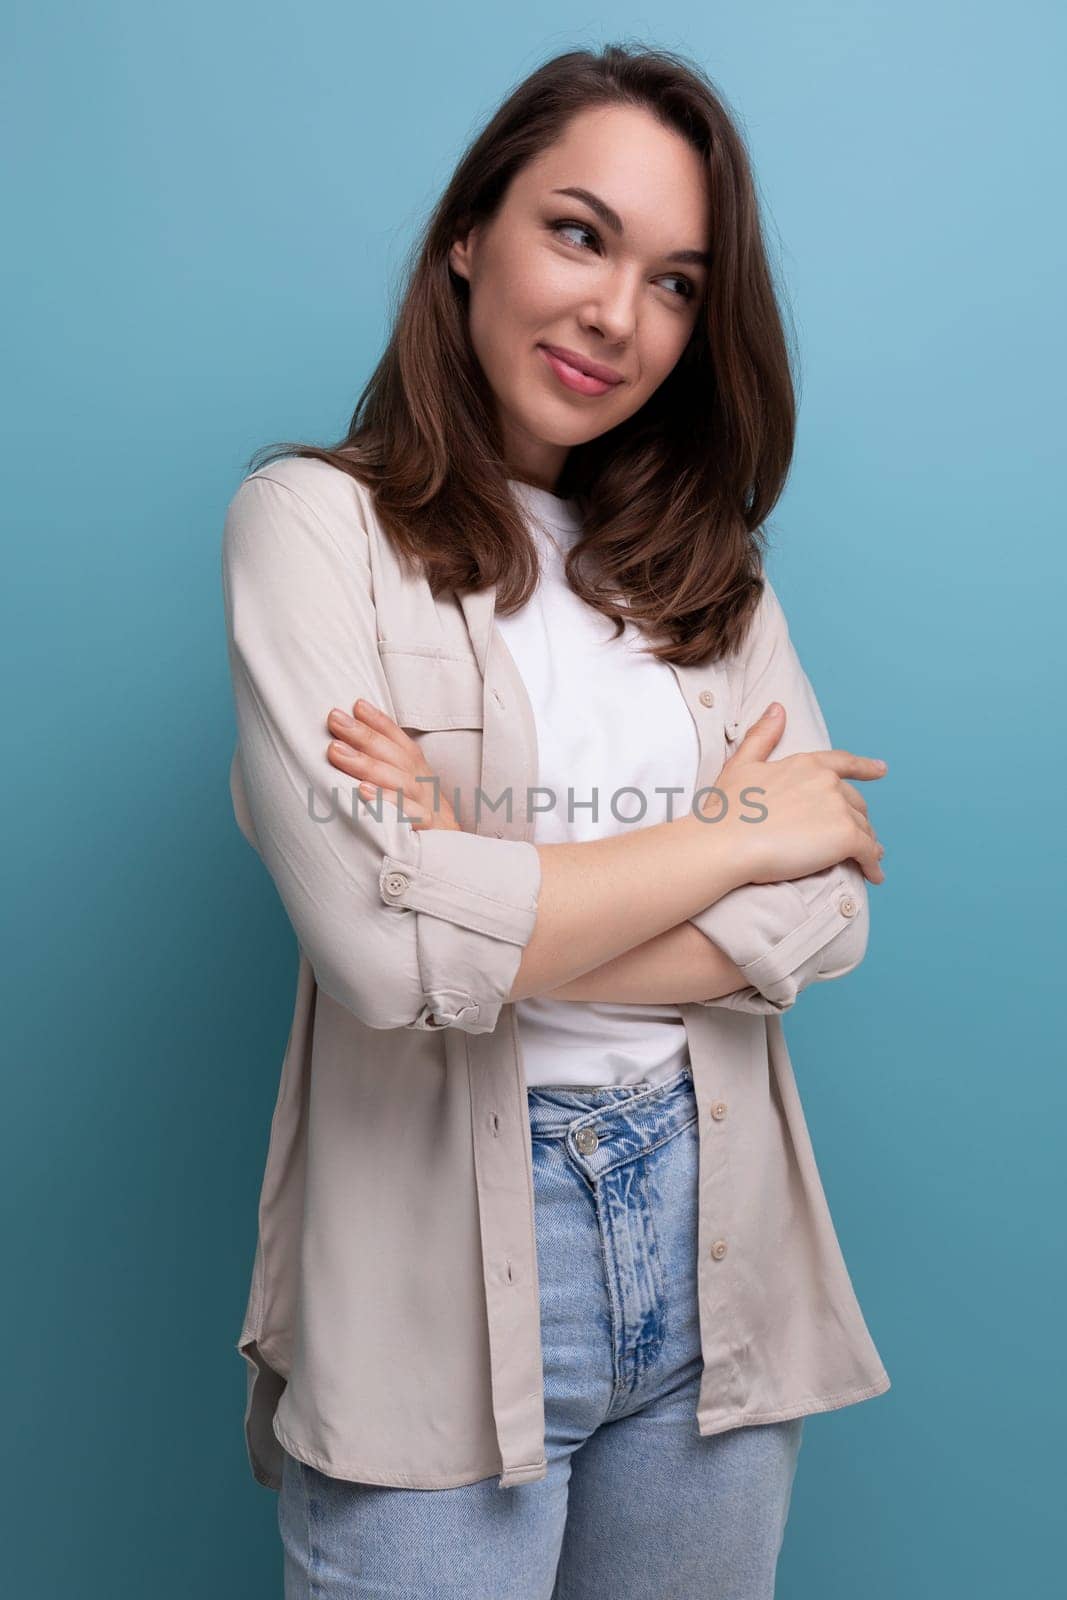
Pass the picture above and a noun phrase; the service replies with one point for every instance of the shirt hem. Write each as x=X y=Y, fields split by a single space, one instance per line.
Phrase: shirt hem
x=813 y=1404
x=353 y=1473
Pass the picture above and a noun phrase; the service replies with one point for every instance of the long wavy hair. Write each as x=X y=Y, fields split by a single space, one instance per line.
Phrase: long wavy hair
x=672 y=500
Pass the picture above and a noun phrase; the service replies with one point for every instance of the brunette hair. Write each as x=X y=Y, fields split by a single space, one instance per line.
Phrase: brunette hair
x=673 y=499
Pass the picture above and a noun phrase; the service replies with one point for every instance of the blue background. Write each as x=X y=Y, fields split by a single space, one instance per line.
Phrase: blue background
x=208 y=208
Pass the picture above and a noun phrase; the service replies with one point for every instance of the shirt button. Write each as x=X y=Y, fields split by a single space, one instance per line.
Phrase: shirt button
x=718 y=1110
x=586 y=1140
x=718 y=1249
x=848 y=907
x=706 y=697
x=395 y=883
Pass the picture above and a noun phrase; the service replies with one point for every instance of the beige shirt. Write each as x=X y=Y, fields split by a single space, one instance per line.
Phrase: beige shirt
x=392 y=1333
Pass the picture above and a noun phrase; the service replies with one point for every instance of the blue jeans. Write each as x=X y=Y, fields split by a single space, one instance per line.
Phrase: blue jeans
x=637 y=1505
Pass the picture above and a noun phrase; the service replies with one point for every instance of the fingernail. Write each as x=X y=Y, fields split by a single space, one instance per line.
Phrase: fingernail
x=882 y=764
x=773 y=709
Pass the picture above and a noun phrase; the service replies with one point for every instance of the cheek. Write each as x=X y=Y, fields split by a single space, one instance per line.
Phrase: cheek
x=666 y=343
x=660 y=350
x=507 y=309
x=530 y=291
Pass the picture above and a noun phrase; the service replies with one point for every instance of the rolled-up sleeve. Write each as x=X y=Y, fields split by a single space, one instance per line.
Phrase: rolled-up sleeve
x=404 y=928
x=783 y=936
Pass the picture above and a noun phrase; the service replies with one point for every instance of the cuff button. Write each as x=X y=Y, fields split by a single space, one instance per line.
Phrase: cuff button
x=395 y=883
x=848 y=907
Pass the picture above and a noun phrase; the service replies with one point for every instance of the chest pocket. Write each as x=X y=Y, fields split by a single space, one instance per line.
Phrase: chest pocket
x=437 y=699
x=432 y=692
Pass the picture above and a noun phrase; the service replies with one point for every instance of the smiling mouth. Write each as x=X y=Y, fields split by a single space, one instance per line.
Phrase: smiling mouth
x=574 y=378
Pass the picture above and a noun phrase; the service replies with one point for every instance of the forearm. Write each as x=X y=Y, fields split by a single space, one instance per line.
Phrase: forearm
x=795 y=931
x=674 y=968
x=601 y=898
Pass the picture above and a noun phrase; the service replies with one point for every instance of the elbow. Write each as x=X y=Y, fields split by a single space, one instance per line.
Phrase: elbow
x=363 y=956
x=427 y=974
x=427 y=942
x=775 y=986
x=847 y=949
x=381 y=993
x=385 y=999
x=842 y=953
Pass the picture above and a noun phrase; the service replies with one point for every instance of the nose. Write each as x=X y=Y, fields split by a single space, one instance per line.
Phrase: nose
x=613 y=309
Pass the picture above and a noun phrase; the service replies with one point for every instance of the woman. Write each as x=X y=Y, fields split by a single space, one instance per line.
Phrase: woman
x=540 y=1209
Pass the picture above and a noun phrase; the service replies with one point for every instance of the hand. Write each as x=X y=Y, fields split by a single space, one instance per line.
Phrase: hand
x=815 y=817
x=371 y=747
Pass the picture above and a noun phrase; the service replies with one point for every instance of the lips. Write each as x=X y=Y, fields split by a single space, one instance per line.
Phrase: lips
x=578 y=372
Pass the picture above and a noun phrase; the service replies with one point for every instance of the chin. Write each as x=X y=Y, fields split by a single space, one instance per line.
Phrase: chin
x=546 y=429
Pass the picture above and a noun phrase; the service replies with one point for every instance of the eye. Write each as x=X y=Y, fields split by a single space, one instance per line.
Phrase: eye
x=582 y=227
x=687 y=289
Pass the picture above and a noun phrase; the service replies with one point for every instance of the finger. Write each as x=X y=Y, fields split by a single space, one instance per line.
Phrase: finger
x=863 y=821
x=415 y=811
x=380 y=774
x=878 y=848
x=868 y=856
x=420 y=811
x=421 y=800
x=372 y=741
x=763 y=735
x=854 y=797
x=871 y=869
x=847 y=765
x=875 y=874
x=872 y=873
x=379 y=722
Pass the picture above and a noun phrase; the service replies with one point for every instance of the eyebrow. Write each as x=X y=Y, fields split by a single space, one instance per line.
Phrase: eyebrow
x=611 y=219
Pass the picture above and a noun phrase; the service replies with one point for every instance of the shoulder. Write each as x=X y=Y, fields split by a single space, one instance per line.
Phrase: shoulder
x=336 y=496
x=769 y=612
x=767 y=629
x=302 y=494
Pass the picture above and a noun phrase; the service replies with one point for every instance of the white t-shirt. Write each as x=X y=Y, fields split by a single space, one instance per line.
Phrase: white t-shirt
x=608 y=719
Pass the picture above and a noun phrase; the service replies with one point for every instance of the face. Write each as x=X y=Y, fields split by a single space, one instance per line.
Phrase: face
x=614 y=276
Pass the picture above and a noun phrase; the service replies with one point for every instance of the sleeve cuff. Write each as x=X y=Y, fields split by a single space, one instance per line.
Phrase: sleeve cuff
x=782 y=939
x=476 y=905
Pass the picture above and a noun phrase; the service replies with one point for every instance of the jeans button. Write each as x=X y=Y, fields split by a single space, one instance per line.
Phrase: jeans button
x=586 y=1140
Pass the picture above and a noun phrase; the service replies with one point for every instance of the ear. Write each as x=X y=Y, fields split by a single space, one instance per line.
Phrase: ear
x=460 y=255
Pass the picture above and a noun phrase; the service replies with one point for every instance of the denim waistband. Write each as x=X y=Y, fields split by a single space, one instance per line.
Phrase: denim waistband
x=650 y=1113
